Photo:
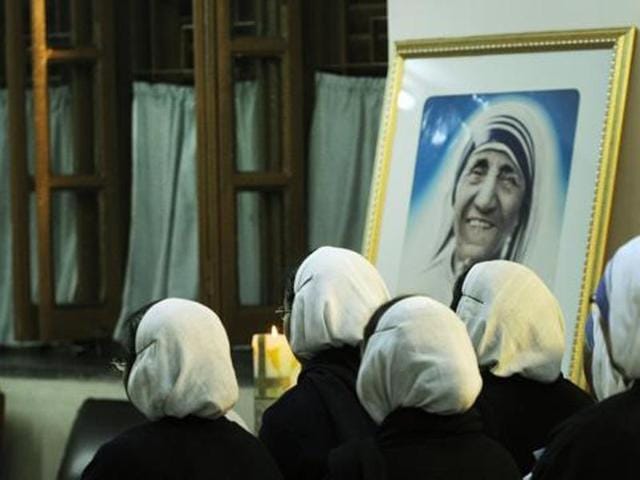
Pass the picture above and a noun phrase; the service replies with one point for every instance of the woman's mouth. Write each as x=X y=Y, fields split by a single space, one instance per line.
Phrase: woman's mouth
x=480 y=223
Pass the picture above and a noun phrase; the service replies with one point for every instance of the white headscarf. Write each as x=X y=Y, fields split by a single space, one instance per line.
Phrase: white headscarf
x=514 y=321
x=183 y=363
x=419 y=356
x=614 y=372
x=336 y=291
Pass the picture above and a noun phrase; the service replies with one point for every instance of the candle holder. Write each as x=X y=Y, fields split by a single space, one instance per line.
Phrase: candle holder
x=275 y=370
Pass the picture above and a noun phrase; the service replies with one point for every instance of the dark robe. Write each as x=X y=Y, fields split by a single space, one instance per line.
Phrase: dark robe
x=191 y=447
x=600 y=442
x=414 y=444
x=520 y=413
x=321 y=412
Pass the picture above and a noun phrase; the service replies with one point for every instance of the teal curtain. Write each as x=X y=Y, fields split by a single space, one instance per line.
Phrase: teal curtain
x=63 y=218
x=163 y=243
x=64 y=204
x=250 y=145
x=6 y=281
x=342 y=149
x=163 y=239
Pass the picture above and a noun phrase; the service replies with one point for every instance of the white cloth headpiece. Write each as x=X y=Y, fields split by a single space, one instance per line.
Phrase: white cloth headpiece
x=622 y=284
x=336 y=291
x=183 y=363
x=514 y=321
x=419 y=356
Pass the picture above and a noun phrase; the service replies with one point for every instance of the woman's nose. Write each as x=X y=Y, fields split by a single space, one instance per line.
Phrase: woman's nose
x=486 y=196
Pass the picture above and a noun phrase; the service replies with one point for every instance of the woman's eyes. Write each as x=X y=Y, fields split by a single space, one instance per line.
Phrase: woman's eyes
x=510 y=180
x=507 y=179
x=478 y=170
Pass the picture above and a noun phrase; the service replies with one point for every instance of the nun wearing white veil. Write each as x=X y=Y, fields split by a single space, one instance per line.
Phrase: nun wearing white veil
x=604 y=441
x=419 y=380
x=500 y=178
x=516 y=327
x=333 y=293
x=180 y=376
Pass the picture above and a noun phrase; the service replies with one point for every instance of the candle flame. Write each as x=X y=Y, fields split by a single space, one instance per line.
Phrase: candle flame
x=274 y=330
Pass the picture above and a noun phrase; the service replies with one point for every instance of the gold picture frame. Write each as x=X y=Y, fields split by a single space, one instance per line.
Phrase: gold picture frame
x=436 y=82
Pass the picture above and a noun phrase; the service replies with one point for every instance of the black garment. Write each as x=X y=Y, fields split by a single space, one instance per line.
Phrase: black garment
x=520 y=413
x=192 y=447
x=600 y=442
x=414 y=444
x=321 y=412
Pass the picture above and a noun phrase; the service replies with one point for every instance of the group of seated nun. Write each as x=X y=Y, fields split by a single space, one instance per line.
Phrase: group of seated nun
x=402 y=388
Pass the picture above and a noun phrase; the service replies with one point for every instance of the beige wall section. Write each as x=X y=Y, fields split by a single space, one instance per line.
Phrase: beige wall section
x=39 y=414
x=437 y=18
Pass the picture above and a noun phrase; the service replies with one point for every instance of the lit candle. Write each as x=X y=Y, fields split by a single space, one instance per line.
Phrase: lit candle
x=275 y=368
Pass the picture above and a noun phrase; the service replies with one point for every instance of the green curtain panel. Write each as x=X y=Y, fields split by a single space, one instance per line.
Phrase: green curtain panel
x=250 y=147
x=163 y=239
x=342 y=149
x=6 y=282
x=64 y=233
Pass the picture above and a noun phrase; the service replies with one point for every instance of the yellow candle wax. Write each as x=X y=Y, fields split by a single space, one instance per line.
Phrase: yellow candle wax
x=274 y=365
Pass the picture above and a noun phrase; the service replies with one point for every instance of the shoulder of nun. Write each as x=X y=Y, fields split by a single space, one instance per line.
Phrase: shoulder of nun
x=598 y=437
x=498 y=461
x=295 y=405
x=281 y=423
x=115 y=459
x=357 y=459
x=575 y=395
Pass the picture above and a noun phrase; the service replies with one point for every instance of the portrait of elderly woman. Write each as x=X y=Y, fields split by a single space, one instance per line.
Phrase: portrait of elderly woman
x=490 y=183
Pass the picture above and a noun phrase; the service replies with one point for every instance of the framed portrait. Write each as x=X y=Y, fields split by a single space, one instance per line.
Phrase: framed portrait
x=500 y=147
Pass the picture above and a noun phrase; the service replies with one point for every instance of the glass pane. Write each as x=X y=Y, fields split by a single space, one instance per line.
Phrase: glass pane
x=3 y=61
x=258 y=114
x=77 y=248
x=6 y=251
x=257 y=17
x=260 y=252
x=161 y=45
x=33 y=248
x=72 y=119
x=69 y=23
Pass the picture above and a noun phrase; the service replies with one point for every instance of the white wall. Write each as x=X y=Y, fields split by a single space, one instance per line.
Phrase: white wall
x=413 y=19
x=39 y=414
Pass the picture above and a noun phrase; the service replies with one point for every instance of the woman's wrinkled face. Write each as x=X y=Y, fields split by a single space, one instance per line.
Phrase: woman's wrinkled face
x=487 y=204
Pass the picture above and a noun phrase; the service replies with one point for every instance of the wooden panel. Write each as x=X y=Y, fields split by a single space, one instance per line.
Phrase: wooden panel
x=81 y=23
x=41 y=135
x=124 y=99
x=228 y=252
x=81 y=322
x=258 y=46
x=219 y=183
x=295 y=161
x=261 y=181
x=289 y=181
x=80 y=182
x=82 y=88
x=112 y=155
x=206 y=85
x=165 y=26
x=25 y=325
x=95 y=269
x=77 y=55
